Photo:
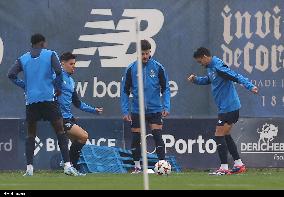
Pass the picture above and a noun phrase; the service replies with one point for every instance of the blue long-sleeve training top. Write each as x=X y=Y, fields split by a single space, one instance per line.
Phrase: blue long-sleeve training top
x=42 y=75
x=69 y=96
x=222 y=79
x=155 y=82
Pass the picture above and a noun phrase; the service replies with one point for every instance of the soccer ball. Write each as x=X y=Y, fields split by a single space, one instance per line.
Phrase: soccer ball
x=163 y=167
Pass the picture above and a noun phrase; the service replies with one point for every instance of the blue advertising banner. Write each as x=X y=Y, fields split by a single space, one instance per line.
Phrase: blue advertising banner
x=102 y=35
x=190 y=141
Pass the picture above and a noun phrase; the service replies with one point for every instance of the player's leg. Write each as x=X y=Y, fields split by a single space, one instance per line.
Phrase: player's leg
x=136 y=142
x=52 y=113
x=78 y=137
x=222 y=129
x=239 y=167
x=30 y=147
x=156 y=124
x=32 y=116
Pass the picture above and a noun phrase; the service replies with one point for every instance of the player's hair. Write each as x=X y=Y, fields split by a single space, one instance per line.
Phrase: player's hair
x=37 y=38
x=145 y=45
x=200 y=52
x=67 y=56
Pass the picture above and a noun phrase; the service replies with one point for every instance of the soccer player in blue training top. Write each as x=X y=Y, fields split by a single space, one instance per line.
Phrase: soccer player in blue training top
x=40 y=66
x=77 y=135
x=227 y=100
x=156 y=107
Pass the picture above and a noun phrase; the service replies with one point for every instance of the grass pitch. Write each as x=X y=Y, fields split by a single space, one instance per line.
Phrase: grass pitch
x=263 y=179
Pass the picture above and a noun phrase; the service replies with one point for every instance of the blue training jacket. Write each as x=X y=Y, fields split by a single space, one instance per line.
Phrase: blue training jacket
x=155 y=82
x=39 y=77
x=69 y=96
x=222 y=79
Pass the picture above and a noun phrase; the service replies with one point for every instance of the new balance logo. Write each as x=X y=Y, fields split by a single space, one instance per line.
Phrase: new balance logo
x=68 y=125
x=114 y=45
x=38 y=145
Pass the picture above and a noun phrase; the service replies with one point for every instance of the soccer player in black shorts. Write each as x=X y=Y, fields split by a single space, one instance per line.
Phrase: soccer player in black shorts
x=156 y=107
x=39 y=66
x=69 y=96
x=222 y=79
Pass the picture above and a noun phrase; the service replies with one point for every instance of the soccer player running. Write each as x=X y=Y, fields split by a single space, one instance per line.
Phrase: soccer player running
x=226 y=98
x=156 y=107
x=69 y=96
x=40 y=66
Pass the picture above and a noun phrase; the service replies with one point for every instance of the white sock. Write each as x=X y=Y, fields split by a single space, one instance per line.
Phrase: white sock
x=137 y=164
x=67 y=164
x=224 y=166
x=30 y=167
x=238 y=162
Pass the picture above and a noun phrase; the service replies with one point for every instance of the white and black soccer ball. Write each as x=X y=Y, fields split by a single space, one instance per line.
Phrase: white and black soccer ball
x=163 y=167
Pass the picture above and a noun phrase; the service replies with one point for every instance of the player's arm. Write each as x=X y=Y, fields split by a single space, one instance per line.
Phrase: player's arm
x=83 y=106
x=55 y=63
x=165 y=90
x=13 y=74
x=226 y=73
x=199 y=80
x=125 y=93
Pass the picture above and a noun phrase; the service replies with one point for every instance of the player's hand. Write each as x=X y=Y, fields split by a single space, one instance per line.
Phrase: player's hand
x=165 y=113
x=99 y=110
x=254 y=90
x=127 y=118
x=191 y=78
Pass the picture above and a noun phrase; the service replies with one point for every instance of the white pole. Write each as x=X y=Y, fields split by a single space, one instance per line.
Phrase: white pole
x=142 y=108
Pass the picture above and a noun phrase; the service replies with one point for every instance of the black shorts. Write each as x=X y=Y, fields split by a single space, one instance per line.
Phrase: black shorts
x=68 y=123
x=47 y=111
x=229 y=118
x=152 y=118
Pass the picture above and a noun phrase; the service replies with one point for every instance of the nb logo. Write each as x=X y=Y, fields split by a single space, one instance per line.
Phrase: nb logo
x=1 y=50
x=114 y=45
x=68 y=125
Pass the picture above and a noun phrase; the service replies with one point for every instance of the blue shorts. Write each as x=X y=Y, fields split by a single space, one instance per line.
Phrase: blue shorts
x=229 y=118
x=151 y=118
